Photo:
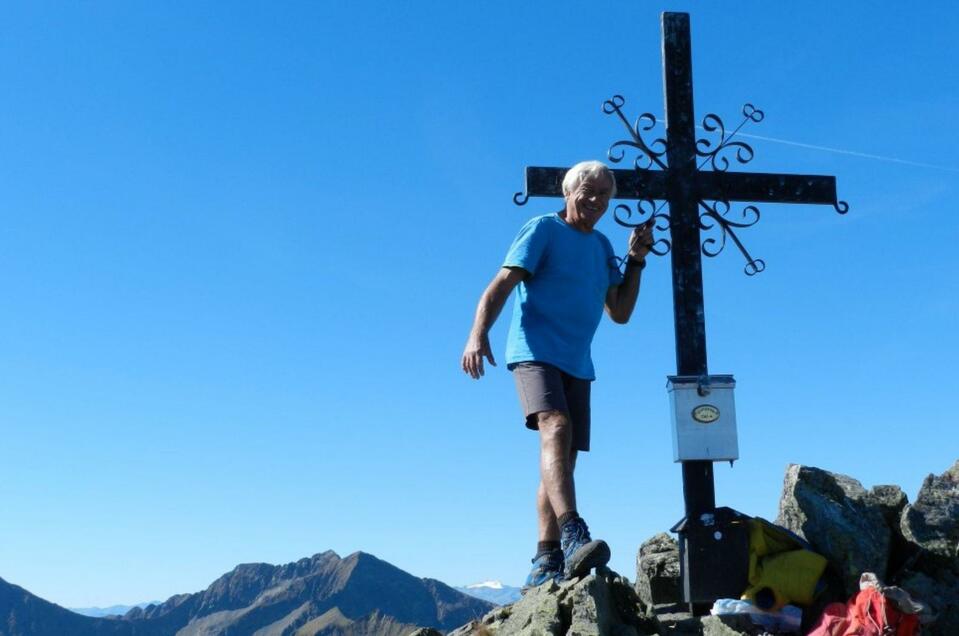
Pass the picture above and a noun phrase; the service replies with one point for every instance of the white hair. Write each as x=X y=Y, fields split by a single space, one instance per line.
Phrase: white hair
x=585 y=169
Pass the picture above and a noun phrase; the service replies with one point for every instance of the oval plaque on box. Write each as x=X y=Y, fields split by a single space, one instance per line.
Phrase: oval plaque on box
x=705 y=413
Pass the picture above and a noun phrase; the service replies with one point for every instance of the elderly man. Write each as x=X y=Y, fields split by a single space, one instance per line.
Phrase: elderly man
x=565 y=274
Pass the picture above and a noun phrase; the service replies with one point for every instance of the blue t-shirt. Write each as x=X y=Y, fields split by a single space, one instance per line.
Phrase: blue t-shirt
x=559 y=306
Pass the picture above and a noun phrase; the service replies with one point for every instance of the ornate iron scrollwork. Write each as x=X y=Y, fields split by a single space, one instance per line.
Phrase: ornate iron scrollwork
x=712 y=151
x=716 y=215
x=841 y=207
x=520 y=198
x=646 y=211
x=647 y=153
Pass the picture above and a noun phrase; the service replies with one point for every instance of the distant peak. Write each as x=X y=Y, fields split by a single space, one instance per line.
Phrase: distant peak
x=362 y=556
x=325 y=555
x=492 y=585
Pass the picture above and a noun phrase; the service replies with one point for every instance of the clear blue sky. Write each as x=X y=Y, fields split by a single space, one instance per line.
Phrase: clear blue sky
x=240 y=250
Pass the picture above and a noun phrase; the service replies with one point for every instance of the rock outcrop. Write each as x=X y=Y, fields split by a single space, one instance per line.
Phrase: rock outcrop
x=890 y=500
x=839 y=518
x=930 y=527
x=601 y=604
x=931 y=524
x=657 y=571
x=940 y=594
x=915 y=546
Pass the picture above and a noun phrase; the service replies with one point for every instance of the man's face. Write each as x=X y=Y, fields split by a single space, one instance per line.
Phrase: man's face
x=587 y=203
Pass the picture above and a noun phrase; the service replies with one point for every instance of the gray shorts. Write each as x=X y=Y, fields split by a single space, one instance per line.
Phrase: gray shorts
x=543 y=387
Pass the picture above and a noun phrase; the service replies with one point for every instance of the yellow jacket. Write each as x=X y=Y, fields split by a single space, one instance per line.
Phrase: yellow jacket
x=781 y=568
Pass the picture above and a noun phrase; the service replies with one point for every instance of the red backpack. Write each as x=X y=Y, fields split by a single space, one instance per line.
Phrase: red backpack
x=868 y=613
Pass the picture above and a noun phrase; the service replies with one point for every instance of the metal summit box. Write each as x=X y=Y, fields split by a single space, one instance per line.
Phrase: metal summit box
x=704 y=417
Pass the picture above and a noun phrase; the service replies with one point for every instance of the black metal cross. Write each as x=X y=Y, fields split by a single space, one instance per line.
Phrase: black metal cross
x=666 y=170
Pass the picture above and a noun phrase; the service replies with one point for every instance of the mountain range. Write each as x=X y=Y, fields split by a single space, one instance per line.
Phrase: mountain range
x=113 y=610
x=324 y=595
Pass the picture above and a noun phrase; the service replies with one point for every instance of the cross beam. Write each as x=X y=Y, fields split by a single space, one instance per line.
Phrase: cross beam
x=759 y=187
x=688 y=189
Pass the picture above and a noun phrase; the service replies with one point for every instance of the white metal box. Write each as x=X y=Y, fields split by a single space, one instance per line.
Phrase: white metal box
x=704 y=418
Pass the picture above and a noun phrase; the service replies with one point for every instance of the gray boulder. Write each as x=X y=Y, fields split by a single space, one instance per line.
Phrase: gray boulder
x=839 y=518
x=731 y=625
x=683 y=624
x=601 y=604
x=657 y=570
x=931 y=524
x=891 y=500
x=941 y=595
x=676 y=621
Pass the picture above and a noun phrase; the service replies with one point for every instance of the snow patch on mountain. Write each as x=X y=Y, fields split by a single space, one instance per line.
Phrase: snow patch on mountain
x=493 y=585
x=492 y=591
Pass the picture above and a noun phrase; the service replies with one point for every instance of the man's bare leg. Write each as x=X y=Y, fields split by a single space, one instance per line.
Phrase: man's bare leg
x=557 y=495
x=548 y=527
x=556 y=475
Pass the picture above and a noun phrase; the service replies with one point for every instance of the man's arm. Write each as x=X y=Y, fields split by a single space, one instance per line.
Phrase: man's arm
x=621 y=299
x=489 y=307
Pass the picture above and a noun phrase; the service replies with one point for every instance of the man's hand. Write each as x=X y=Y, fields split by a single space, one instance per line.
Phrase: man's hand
x=477 y=347
x=621 y=299
x=490 y=304
x=641 y=241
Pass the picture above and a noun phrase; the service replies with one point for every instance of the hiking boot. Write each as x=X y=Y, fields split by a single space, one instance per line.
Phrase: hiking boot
x=547 y=566
x=580 y=552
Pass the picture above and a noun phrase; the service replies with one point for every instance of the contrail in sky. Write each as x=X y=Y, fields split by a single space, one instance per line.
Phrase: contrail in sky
x=849 y=152
x=840 y=151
